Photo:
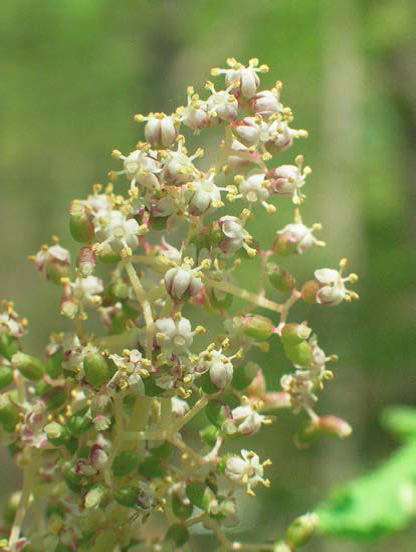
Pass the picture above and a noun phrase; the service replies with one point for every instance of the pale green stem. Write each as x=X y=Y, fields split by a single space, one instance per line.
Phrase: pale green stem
x=198 y=406
x=255 y=298
x=147 y=309
x=28 y=473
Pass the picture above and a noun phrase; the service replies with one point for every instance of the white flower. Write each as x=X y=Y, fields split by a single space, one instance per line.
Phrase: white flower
x=246 y=470
x=221 y=105
x=245 y=419
x=141 y=167
x=170 y=252
x=118 y=232
x=160 y=129
x=179 y=407
x=281 y=136
x=203 y=196
x=287 y=180
x=244 y=79
x=296 y=238
x=194 y=115
x=182 y=279
x=178 y=167
x=175 y=336
x=235 y=236
x=254 y=187
x=87 y=290
x=220 y=367
x=130 y=371
x=266 y=103
x=248 y=131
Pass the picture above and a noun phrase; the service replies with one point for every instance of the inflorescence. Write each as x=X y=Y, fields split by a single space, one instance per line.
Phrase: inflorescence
x=100 y=426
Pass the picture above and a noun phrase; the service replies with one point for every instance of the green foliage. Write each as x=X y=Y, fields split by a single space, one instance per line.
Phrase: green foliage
x=383 y=500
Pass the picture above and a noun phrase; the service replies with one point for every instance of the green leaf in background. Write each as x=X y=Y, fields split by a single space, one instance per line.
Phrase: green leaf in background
x=384 y=500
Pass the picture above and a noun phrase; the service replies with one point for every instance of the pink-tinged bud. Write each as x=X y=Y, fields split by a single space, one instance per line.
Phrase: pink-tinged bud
x=181 y=282
x=86 y=261
x=257 y=326
x=234 y=234
x=98 y=457
x=281 y=136
x=279 y=278
x=309 y=291
x=333 y=426
x=160 y=129
x=274 y=400
x=257 y=387
x=244 y=420
x=266 y=103
x=221 y=105
x=293 y=238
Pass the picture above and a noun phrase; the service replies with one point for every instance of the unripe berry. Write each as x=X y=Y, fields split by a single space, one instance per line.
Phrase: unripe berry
x=181 y=507
x=178 y=533
x=301 y=530
x=281 y=279
x=6 y=376
x=81 y=224
x=124 y=463
x=309 y=291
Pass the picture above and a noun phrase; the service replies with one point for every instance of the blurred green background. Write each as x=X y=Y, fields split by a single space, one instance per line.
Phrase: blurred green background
x=73 y=72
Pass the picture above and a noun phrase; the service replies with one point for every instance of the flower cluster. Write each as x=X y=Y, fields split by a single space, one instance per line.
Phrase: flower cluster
x=97 y=424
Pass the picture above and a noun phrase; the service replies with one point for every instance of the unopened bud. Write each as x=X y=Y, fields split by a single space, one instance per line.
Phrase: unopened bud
x=95 y=496
x=209 y=435
x=29 y=366
x=178 y=533
x=309 y=291
x=280 y=279
x=96 y=369
x=56 y=433
x=301 y=530
x=245 y=375
x=124 y=463
x=181 y=507
x=257 y=326
x=86 y=261
x=6 y=376
x=293 y=334
x=80 y=223
x=9 y=414
x=127 y=496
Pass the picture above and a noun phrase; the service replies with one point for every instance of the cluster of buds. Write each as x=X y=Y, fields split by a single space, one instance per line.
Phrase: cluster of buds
x=97 y=424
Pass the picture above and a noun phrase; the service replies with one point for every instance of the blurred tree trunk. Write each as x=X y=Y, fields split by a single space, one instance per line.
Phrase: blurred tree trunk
x=342 y=220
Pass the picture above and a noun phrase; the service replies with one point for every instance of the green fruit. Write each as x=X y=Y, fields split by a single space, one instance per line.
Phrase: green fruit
x=178 y=533
x=127 y=496
x=54 y=364
x=9 y=414
x=8 y=345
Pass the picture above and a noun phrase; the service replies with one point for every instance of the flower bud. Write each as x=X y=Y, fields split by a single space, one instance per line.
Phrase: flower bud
x=96 y=369
x=9 y=414
x=199 y=494
x=56 y=433
x=330 y=426
x=86 y=261
x=300 y=355
x=248 y=131
x=54 y=261
x=29 y=366
x=124 y=463
x=160 y=129
x=209 y=435
x=301 y=530
x=53 y=365
x=180 y=282
x=8 y=345
x=279 y=278
x=54 y=397
x=95 y=496
x=203 y=196
x=245 y=420
x=78 y=424
x=244 y=375
x=81 y=223
x=127 y=496
x=216 y=412
x=181 y=506
x=309 y=291
x=151 y=468
x=178 y=533
x=265 y=103
x=257 y=326
x=293 y=334
x=293 y=238
x=6 y=376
